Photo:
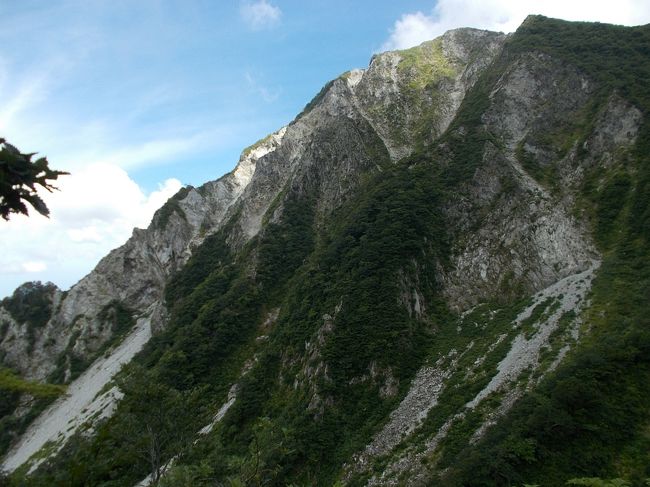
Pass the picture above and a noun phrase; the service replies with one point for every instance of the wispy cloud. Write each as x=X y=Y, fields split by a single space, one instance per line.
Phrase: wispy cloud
x=71 y=140
x=267 y=94
x=20 y=93
x=260 y=15
x=28 y=94
x=506 y=15
x=157 y=151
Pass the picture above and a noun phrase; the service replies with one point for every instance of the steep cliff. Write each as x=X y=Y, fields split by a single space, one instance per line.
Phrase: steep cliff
x=444 y=255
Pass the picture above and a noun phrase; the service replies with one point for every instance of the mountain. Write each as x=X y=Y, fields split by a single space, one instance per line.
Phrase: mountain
x=437 y=274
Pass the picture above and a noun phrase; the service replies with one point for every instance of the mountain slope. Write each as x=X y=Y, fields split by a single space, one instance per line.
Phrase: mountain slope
x=436 y=274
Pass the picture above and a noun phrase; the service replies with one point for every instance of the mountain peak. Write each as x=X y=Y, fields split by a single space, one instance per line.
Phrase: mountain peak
x=437 y=274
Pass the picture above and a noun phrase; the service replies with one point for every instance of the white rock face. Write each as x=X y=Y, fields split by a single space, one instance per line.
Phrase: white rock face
x=134 y=274
x=517 y=230
x=404 y=106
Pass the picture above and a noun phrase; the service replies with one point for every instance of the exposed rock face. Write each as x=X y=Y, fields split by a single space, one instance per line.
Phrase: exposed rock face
x=360 y=120
x=23 y=317
x=133 y=275
x=517 y=230
x=569 y=295
x=514 y=223
x=412 y=96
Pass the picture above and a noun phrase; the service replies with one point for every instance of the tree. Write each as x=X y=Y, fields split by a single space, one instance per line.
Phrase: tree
x=268 y=449
x=155 y=421
x=19 y=176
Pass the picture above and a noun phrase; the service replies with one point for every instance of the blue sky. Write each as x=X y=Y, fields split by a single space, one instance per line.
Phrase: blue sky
x=136 y=98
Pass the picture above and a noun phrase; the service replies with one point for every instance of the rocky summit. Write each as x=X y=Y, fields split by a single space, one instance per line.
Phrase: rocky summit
x=437 y=274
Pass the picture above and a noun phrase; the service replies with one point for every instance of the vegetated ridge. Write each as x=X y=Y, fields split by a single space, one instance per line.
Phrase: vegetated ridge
x=437 y=274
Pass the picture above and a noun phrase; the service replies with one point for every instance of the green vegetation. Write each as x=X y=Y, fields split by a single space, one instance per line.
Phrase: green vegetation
x=426 y=64
x=171 y=206
x=12 y=388
x=31 y=304
x=588 y=417
x=10 y=382
x=311 y=384
x=155 y=420
x=256 y=145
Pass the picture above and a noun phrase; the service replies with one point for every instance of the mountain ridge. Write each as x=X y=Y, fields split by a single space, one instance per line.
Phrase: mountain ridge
x=316 y=287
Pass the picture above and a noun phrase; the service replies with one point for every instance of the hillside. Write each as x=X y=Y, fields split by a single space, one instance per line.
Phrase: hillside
x=437 y=274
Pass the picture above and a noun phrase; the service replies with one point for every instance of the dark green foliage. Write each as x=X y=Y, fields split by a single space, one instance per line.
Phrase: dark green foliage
x=120 y=319
x=611 y=200
x=171 y=206
x=285 y=245
x=353 y=275
x=212 y=259
x=570 y=425
x=217 y=308
x=616 y=56
x=19 y=176
x=591 y=416
x=153 y=423
x=215 y=312
x=156 y=421
x=639 y=216
x=31 y=303
x=9 y=401
x=397 y=222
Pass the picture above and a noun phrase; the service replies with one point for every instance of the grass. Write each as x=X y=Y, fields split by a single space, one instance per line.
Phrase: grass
x=425 y=65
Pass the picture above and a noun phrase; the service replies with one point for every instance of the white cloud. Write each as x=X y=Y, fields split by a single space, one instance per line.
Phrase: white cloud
x=34 y=266
x=506 y=15
x=260 y=15
x=95 y=211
